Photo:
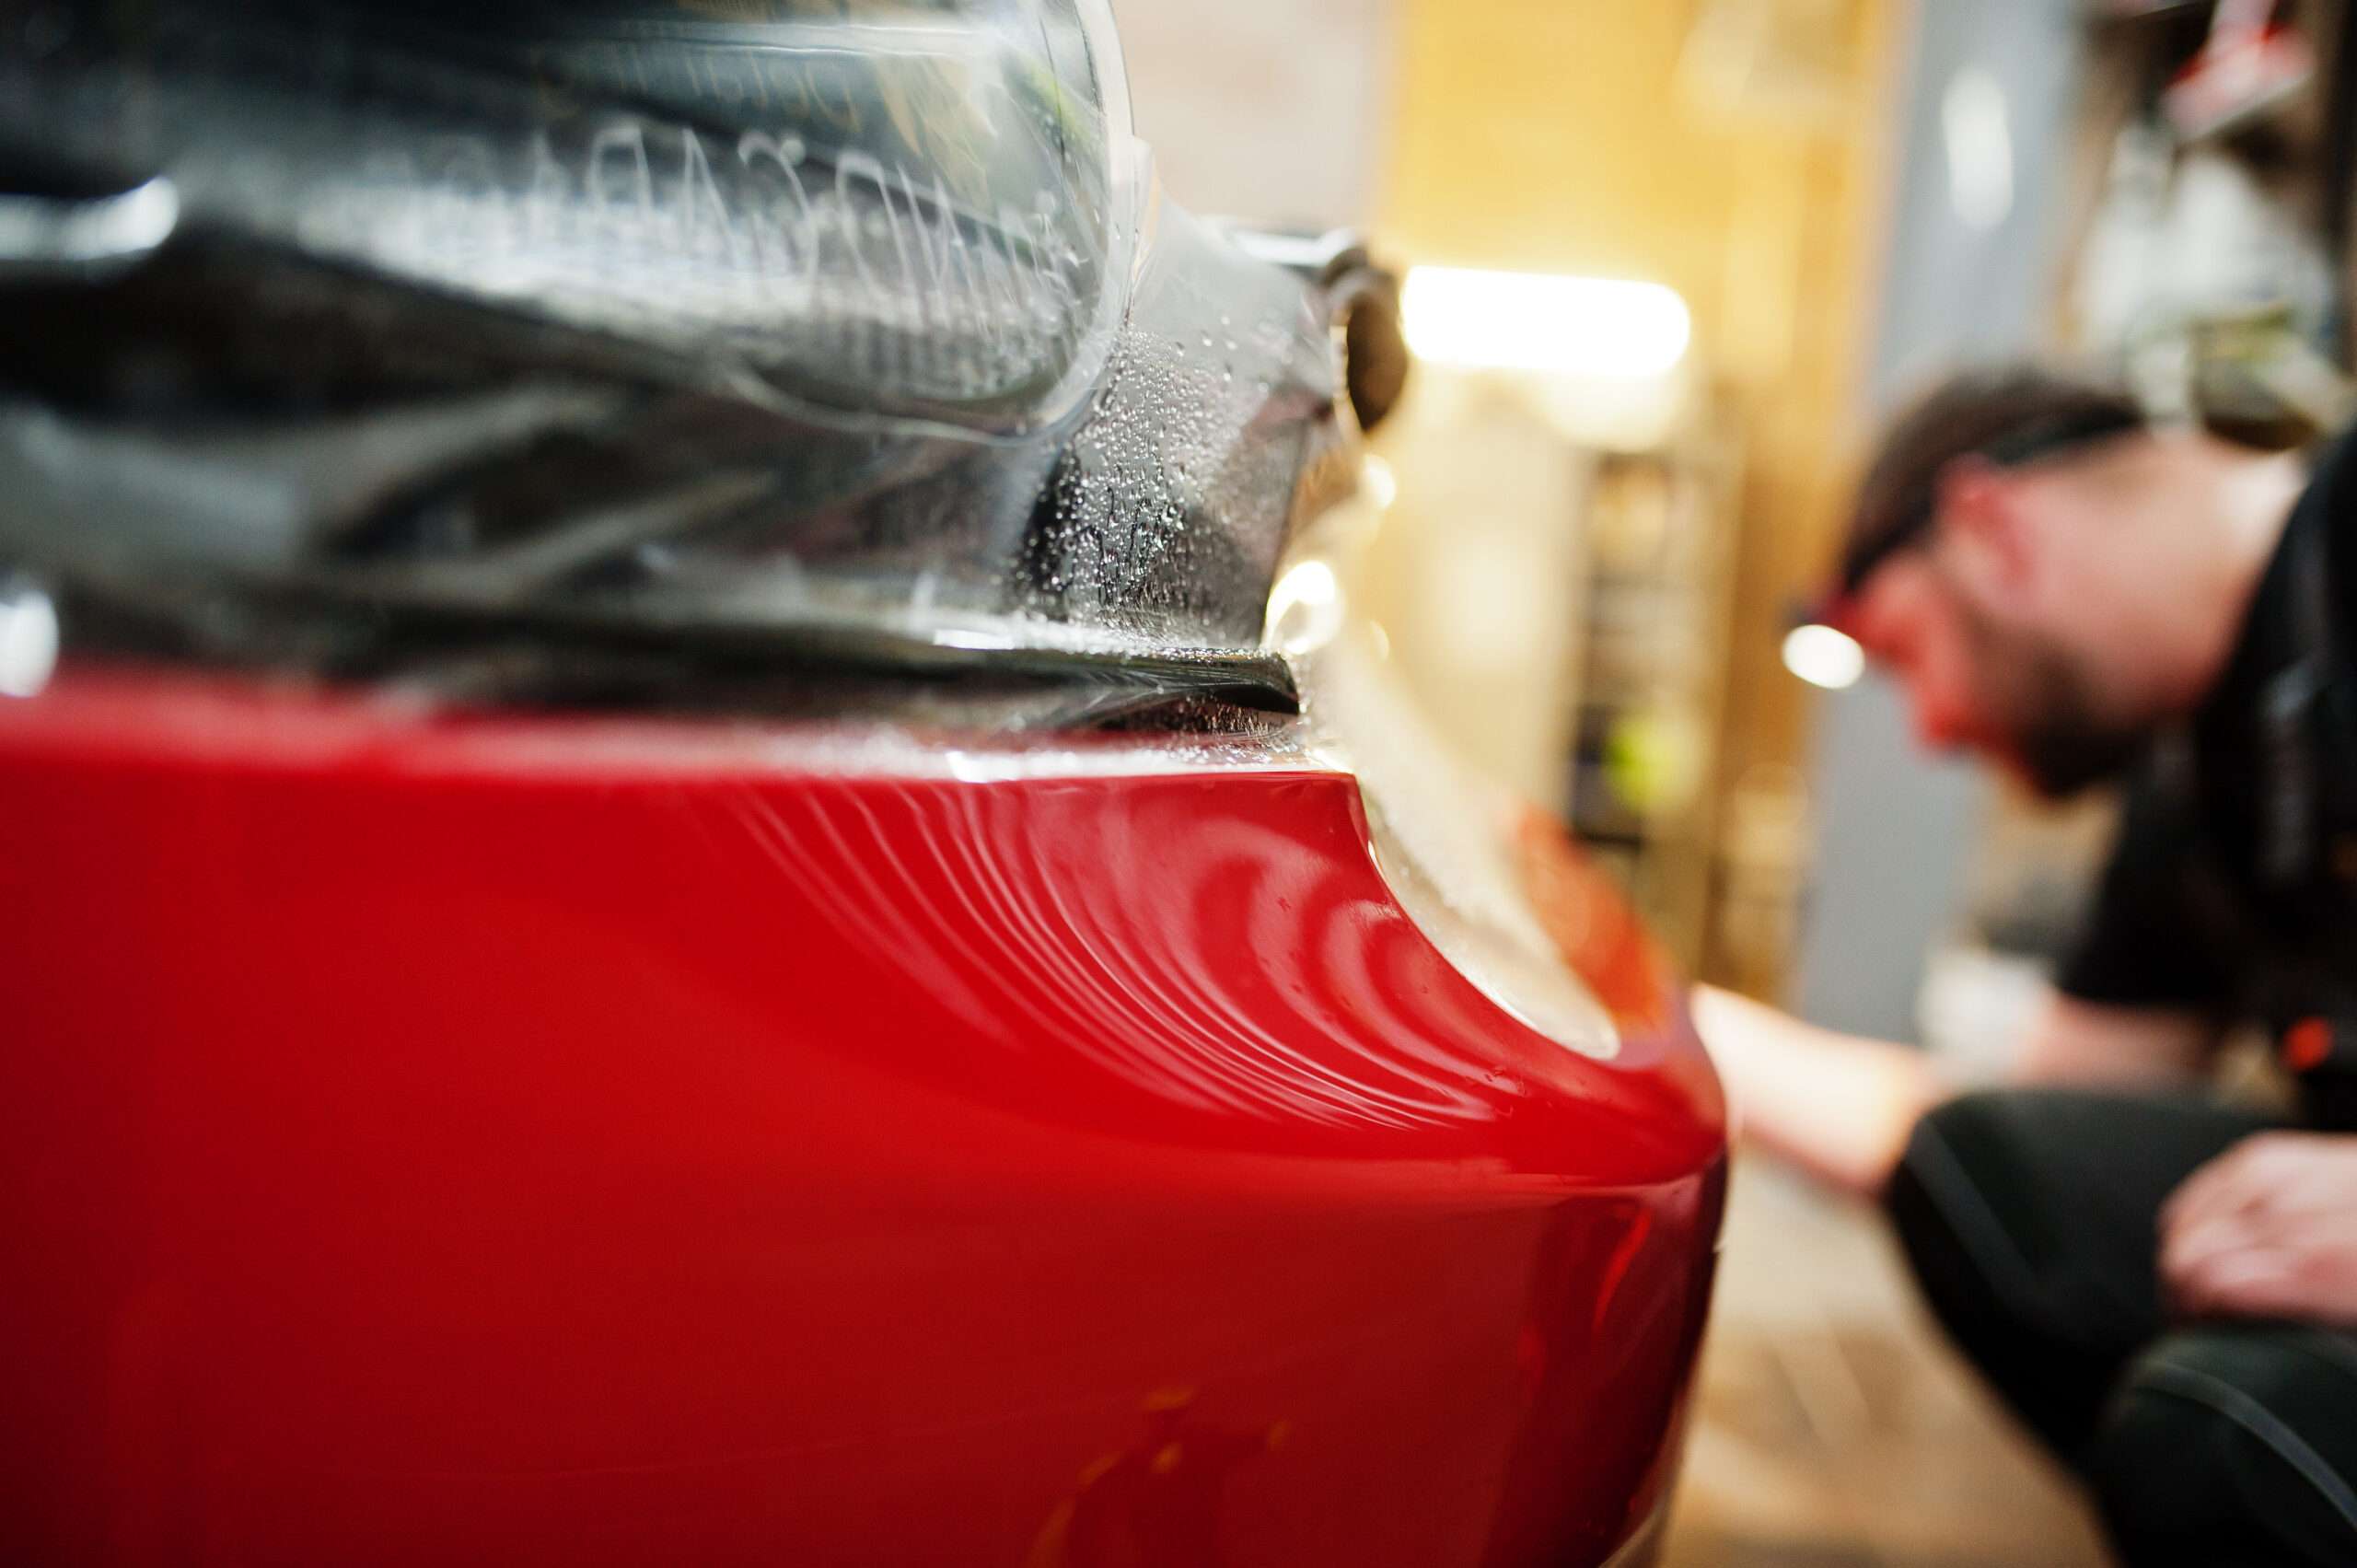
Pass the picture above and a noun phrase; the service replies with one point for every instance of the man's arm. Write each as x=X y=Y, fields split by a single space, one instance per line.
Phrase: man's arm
x=2101 y=1045
x=1837 y=1106
x=1841 y=1107
x=2132 y=1008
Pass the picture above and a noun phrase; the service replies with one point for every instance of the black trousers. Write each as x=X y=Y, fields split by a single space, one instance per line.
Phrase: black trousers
x=2030 y=1215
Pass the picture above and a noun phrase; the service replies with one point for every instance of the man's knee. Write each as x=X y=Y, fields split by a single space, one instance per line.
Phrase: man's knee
x=1959 y=1141
x=2048 y=1196
x=2229 y=1446
x=1960 y=1199
x=2047 y=1297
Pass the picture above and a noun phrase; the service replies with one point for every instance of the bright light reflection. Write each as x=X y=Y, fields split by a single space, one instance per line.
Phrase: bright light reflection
x=27 y=642
x=1607 y=327
x=1376 y=479
x=1305 y=607
x=1823 y=657
x=109 y=228
x=1979 y=139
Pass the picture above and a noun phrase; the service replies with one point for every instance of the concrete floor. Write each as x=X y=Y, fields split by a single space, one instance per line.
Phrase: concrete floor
x=1835 y=1429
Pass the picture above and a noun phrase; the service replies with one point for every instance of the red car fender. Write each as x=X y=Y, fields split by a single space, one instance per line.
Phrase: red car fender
x=515 y=1139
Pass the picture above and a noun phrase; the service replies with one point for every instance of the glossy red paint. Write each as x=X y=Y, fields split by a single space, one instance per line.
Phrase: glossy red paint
x=521 y=1140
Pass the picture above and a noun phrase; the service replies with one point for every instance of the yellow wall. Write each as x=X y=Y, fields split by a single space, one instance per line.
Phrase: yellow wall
x=1580 y=135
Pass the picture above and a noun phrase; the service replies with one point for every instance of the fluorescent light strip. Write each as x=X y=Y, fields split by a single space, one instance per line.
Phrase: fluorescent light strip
x=1824 y=657
x=1578 y=326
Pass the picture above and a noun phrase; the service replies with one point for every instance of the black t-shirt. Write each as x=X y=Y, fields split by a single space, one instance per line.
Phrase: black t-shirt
x=2147 y=943
x=2231 y=888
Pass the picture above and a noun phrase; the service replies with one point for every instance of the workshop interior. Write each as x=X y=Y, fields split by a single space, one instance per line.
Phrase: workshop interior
x=1016 y=782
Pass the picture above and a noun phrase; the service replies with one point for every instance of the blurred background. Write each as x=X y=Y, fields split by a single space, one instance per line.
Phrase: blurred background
x=1768 y=221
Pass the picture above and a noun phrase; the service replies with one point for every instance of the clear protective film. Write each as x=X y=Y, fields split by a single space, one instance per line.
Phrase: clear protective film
x=355 y=335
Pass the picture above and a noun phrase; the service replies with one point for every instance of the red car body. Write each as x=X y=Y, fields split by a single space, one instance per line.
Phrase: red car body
x=438 y=1136
x=707 y=880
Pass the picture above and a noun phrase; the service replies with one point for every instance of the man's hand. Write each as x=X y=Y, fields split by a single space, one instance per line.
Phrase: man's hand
x=2268 y=1229
x=1837 y=1106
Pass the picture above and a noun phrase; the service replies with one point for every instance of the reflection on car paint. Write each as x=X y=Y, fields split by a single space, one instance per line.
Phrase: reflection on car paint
x=833 y=1158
